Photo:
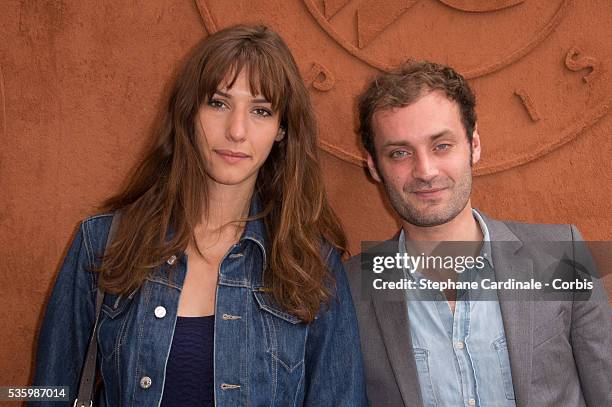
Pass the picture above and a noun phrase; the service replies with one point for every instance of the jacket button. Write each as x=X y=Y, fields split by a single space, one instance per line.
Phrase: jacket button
x=160 y=311
x=145 y=382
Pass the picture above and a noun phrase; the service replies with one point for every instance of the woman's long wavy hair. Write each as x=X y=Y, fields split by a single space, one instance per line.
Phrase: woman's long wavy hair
x=167 y=192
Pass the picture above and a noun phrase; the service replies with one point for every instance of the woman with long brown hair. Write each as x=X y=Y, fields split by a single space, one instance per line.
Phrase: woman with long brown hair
x=222 y=278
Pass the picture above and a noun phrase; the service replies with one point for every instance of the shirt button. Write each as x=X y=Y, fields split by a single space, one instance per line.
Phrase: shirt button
x=459 y=345
x=171 y=260
x=472 y=402
x=145 y=382
x=160 y=311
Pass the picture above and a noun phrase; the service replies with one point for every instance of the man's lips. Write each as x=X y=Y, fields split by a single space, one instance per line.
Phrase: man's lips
x=429 y=193
x=231 y=155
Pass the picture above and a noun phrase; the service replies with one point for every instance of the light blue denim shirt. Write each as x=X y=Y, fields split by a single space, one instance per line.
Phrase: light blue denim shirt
x=462 y=358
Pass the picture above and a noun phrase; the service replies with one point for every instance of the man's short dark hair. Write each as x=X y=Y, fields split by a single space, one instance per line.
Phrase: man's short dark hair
x=404 y=86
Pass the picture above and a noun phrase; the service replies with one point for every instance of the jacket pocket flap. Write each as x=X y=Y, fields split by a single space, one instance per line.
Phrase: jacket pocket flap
x=549 y=329
x=267 y=303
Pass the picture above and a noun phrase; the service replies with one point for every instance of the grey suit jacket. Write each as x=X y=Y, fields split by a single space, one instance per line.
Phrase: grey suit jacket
x=560 y=351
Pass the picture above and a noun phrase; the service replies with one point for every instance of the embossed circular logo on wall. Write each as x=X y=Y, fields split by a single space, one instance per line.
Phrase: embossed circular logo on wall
x=538 y=73
x=383 y=34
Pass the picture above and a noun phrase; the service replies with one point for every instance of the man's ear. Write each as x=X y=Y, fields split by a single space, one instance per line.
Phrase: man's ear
x=281 y=133
x=475 y=145
x=372 y=168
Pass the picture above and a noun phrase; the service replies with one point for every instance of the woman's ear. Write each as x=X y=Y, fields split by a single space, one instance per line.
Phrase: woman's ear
x=281 y=133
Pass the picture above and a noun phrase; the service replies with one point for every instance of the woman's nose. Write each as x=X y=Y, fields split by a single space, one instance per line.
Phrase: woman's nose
x=237 y=126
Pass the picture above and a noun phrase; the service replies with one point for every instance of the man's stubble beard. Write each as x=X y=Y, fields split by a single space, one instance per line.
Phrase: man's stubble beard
x=461 y=191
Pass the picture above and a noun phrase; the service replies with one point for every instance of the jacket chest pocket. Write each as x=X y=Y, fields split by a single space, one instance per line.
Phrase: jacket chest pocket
x=113 y=324
x=284 y=334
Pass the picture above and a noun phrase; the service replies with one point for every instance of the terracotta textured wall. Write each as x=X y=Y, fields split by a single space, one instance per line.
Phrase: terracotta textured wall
x=81 y=82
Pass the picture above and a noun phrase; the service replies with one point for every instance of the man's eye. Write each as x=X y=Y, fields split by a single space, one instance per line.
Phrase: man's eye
x=443 y=147
x=399 y=154
x=262 y=112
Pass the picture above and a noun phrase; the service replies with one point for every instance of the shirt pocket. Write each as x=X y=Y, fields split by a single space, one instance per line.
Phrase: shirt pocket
x=501 y=348
x=284 y=334
x=112 y=326
x=421 y=357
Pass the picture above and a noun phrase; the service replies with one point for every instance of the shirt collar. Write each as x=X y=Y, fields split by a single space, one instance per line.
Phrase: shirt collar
x=486 y=238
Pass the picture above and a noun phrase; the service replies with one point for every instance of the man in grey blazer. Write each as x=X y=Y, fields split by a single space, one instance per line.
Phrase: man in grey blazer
x=418 y=125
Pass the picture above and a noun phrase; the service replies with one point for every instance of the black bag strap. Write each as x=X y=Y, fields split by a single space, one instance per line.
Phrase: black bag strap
x=88 y=375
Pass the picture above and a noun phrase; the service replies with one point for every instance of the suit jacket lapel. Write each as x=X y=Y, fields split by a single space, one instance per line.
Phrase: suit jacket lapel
x=393 y=321
x=392 y=316
x=517 y=313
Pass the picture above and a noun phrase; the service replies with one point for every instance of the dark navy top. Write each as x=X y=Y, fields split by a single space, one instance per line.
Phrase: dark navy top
x=189 y=372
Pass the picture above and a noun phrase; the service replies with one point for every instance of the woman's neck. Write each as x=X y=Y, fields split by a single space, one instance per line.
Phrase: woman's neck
x=226 y=204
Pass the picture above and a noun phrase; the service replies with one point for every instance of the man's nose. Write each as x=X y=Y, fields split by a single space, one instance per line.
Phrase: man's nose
x=425 y=168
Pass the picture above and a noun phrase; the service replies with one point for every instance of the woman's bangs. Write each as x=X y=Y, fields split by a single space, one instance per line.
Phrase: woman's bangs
x=215 y=76
x=264 y=76
x=267 y=78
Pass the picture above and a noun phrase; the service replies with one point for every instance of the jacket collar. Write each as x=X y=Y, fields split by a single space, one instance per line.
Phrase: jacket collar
x=255 y=230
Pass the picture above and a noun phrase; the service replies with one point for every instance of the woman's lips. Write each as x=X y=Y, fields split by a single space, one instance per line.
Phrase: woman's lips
x=231 y=156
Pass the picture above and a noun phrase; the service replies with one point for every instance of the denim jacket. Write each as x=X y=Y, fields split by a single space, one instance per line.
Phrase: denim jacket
x=263 y=356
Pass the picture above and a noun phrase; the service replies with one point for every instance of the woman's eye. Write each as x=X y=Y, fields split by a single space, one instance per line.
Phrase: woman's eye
x=217 y=104
x=399 y=154
x=262 y=112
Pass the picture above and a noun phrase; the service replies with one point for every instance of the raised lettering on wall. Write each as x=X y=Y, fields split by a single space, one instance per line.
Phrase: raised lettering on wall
x=528 y=103
x=320 y=77
x=575 y=62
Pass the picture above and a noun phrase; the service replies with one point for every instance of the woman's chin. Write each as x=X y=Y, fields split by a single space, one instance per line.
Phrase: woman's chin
x=231 y=179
